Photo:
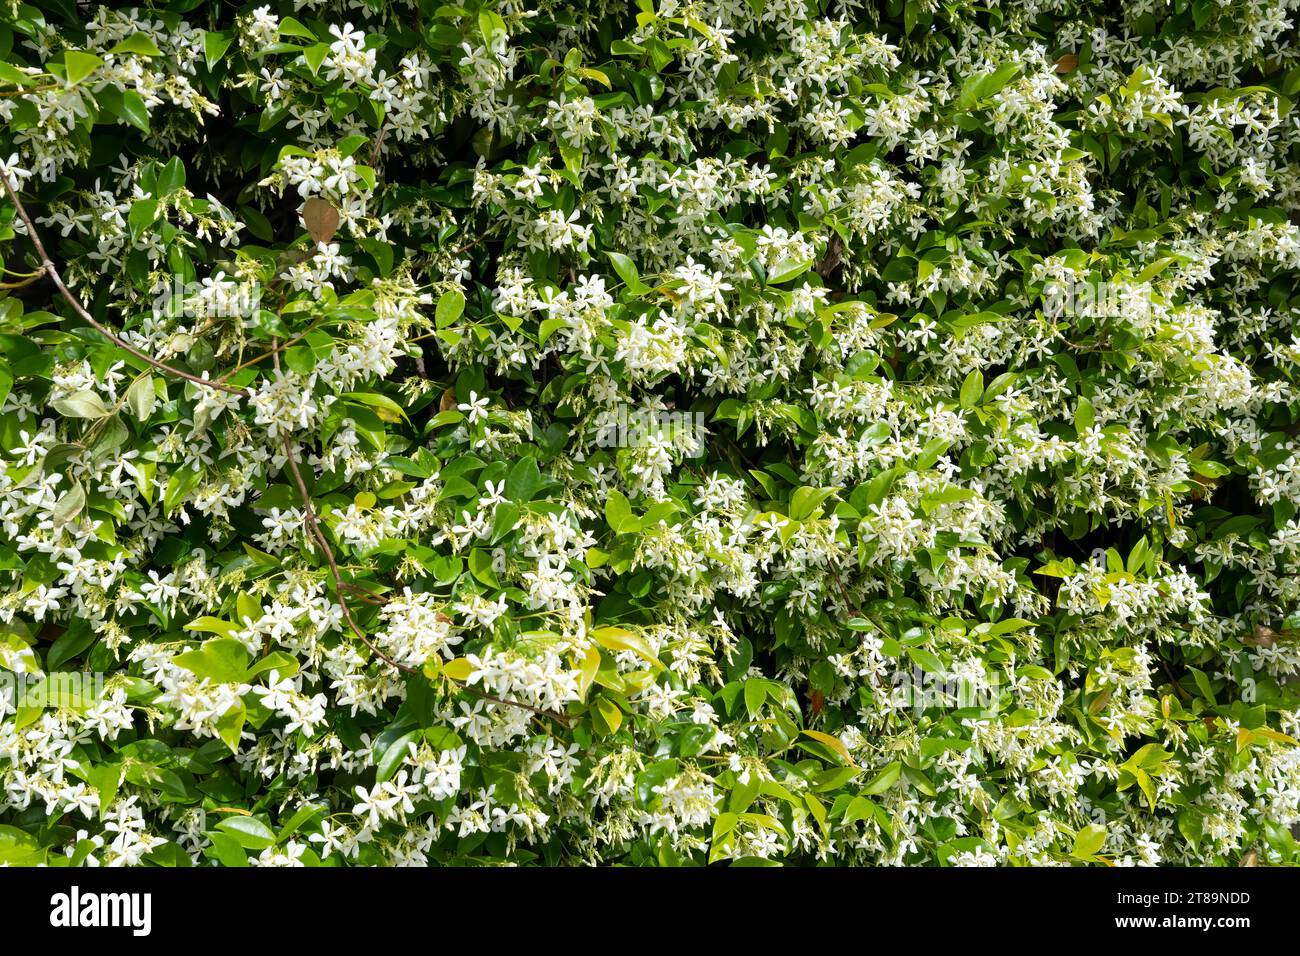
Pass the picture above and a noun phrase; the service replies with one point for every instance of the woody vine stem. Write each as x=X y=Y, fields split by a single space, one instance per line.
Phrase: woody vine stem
x=48 y=268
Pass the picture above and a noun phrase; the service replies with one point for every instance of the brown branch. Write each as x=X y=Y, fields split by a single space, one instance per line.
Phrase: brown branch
x=272 y=352
x=365 y=595
x=313 y=524
x=29 y=91
x=379 y=141
x=47 y=268
x=853 y=608
x=1172 y=680
x=539 y=711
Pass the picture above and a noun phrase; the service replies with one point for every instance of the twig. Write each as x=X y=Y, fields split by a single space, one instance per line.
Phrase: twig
x=539 y=711
x=1172 y=680
x=47 y=267
x=313 y=525
x=379 y=141
x=365 y=595
x=853 y=608
x=29 y=91
x=269 y=353
x=340 y=586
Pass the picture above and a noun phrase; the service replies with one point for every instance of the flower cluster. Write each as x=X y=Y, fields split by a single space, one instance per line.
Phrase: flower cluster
x=955 y=522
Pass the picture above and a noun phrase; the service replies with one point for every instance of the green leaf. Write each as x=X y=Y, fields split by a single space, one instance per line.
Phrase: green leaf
x=79 y=65
x=451 y=306
x=215 y=46
x=249 y=832
x=859 y=808
x=524 y=480
x=785 y=271
x=627 y=271
x=134 y=111
x=818 y=812
x=289 y=27
x=227 y=849
x=69 y=505
x=230 y=725
x=106 y=780
x=19 y=656
x=618 y=639
x=387 y=409
x=69 y=644
x=1084 y=416
x=834 y=778
x=1144 y=783
x=212 y=625
x=1203 y=685
x=549 y=327
x=606 y=716
x=315 y=55
x=223 y=660
x=281 y=662
x=171 y=177
x=833 y=742
x=12 y=76
x=618 y=512
x=504 y=520
x=141 y=397
x=138 y=43
x=387 y=762
x=807 y=500
x=143 y=214
x=1088 y=841
x=931 y=454
x=19 y=848
x=926 y=660
x=179 y=485
x=884 y=780
x=480 y=565
x=85 y=404
x=301 y=817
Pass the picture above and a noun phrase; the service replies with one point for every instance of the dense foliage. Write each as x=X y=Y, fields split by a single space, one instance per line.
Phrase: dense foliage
x=726 y=430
